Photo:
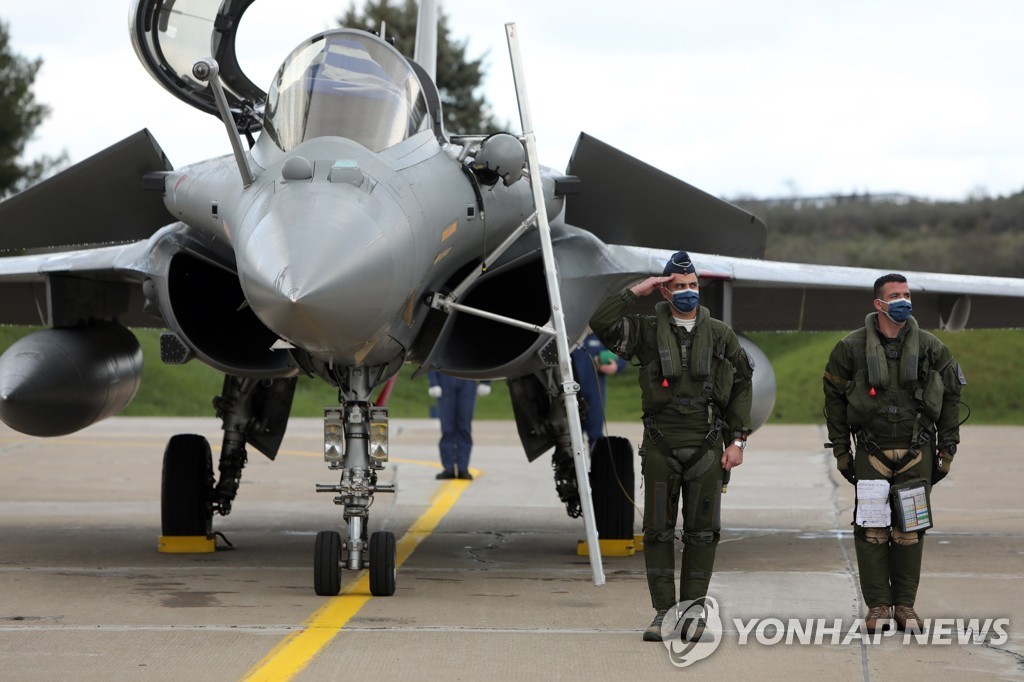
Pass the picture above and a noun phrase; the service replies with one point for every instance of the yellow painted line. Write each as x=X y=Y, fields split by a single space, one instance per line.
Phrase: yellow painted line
x=296 y=651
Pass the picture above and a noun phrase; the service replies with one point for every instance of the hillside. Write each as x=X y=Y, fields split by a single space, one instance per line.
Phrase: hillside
x=981 y=236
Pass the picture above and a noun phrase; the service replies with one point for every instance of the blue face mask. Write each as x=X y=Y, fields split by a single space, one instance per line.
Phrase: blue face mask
x=685 y=301
x=899 y=310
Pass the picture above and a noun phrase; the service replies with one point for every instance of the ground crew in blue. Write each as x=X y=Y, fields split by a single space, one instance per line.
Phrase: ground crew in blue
x=592 y=362
x=892 y=395
x=456 y=399
x=695 y=381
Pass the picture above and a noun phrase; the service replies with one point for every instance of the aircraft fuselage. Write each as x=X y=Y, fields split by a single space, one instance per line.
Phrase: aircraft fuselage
x=336 y=246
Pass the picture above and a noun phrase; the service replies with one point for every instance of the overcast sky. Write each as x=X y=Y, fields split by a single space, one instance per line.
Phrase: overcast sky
x=738 y=98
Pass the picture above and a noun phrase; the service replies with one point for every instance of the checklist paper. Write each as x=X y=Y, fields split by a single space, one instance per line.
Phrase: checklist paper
x=873 y=509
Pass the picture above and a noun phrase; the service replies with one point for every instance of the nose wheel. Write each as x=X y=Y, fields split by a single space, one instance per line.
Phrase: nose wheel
x=383 y=569
x=327 y=563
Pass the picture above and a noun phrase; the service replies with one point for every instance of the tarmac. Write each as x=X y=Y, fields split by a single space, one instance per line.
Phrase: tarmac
x=490 y=585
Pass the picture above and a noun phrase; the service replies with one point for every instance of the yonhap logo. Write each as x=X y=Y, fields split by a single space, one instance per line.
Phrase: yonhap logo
x=692 y=630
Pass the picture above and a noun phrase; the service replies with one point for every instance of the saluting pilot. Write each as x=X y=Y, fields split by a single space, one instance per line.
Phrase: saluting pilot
x=695 y=381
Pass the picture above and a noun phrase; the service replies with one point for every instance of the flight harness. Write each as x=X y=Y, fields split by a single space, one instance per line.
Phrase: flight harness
x=876 y=356
x=658 y=439
x=673 y=355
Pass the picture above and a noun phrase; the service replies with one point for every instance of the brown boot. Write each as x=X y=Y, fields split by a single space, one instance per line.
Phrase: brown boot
x=878 y=617
x=907 y=619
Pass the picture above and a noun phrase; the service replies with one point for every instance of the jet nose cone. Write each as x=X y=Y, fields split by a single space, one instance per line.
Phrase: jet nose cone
x=323 y=282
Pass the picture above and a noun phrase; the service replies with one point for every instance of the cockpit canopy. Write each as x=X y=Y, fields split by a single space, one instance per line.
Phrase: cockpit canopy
x=169 y=36
x=341 y=83
x=349 y=84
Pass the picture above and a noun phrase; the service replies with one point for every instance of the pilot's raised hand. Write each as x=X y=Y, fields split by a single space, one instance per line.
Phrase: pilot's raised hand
x=483 y=390
x=650 y=284
x=434 y=392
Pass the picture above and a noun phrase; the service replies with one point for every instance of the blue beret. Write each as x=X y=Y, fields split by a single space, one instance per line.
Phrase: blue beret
x=679 y=263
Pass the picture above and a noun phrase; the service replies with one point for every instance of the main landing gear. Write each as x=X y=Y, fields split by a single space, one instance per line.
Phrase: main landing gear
x=253 y=411
x=356 y=443
x=186 y=484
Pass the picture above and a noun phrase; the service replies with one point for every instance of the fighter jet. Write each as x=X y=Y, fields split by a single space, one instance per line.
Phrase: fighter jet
x=347 y=234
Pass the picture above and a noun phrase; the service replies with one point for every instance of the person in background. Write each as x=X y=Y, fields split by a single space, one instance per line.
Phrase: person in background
x=456 y=399
x=592 y=363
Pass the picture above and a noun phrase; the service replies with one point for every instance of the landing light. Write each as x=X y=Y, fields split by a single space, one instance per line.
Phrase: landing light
x=378 y=434
x=334 y=438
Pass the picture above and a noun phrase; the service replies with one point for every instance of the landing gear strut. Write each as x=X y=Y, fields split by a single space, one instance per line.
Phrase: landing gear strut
x=356 y=443
x=565 y=482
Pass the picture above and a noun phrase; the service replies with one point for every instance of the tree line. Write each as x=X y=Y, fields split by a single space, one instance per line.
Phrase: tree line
x=979 y=236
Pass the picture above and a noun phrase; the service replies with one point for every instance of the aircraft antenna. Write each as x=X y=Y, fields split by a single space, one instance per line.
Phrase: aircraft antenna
x=425 y=53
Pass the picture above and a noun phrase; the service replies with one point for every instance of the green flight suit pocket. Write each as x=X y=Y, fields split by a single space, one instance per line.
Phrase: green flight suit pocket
x=725 y=374
x=861 y=405
x=931 y=397
x=655 y=395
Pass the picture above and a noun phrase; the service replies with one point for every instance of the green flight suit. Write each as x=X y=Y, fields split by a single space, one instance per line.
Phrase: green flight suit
x=694 y=383
x=891 y=390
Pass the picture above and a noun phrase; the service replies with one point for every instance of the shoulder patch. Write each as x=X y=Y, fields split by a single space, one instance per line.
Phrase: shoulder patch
x=960 y=375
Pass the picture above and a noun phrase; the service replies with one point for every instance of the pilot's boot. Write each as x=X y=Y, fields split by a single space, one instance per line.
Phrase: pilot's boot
x=692 y=628
x=907 y=619
x=879 y=617
x=653 y=631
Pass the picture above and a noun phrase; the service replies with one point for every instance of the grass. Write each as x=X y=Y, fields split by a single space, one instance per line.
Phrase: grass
x=993 y=361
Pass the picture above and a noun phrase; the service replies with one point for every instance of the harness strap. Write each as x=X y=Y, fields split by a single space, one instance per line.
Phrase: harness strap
x=658 y=438
x=865 y=438
x=689 y=401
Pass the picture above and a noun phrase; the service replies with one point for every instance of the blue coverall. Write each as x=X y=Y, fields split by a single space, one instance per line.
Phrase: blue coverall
x=592 y=385
x=455 y=409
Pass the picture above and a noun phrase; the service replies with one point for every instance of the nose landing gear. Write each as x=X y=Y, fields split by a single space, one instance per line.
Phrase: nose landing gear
x=356 y=443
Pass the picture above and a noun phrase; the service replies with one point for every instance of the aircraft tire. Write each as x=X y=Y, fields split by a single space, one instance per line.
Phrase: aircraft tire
x=186 y=485
x=611 y=471
x=383 y=567
x=327 y=563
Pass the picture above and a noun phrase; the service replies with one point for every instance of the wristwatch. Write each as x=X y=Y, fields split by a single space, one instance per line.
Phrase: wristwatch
x=740 y=443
